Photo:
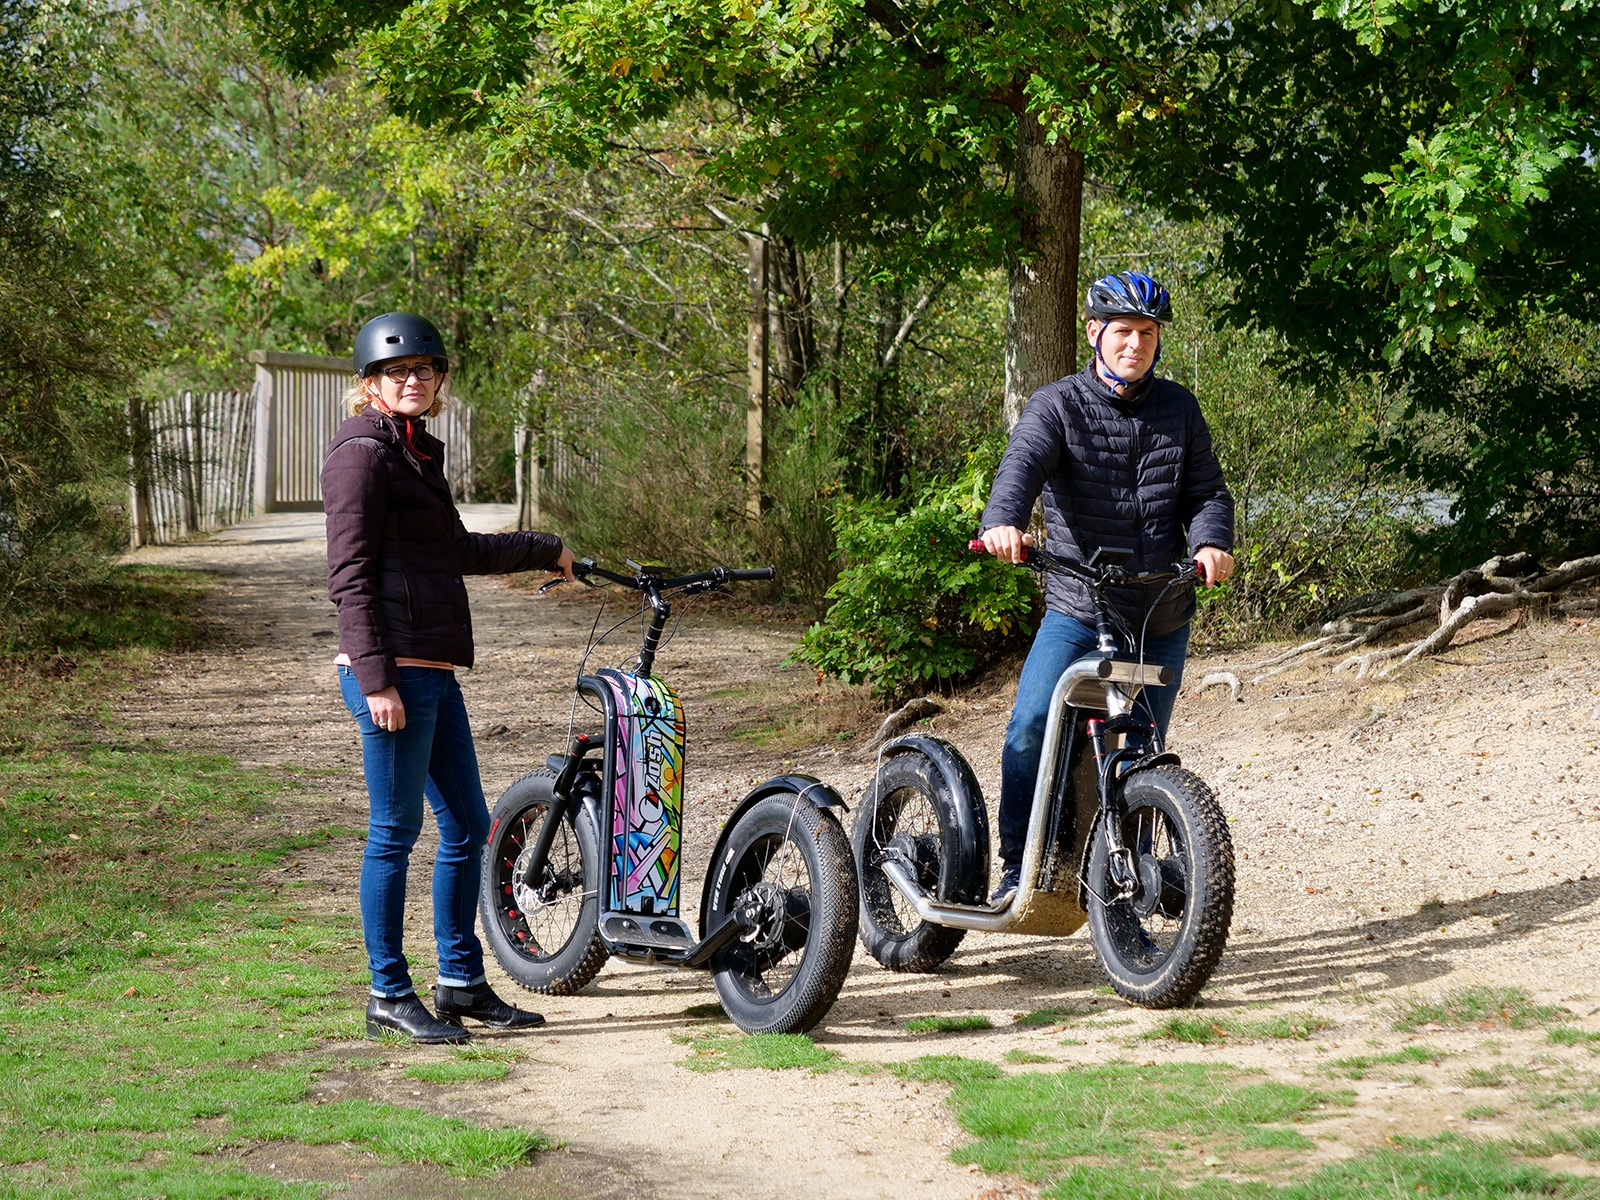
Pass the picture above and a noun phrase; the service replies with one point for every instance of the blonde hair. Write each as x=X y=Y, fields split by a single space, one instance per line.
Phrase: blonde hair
x=356 y=396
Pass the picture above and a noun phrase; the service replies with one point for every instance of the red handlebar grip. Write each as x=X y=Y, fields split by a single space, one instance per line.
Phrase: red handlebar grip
x=976 y=546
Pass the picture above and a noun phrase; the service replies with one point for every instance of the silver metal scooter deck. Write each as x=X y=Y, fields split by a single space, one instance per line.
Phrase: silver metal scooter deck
x=1082 y=685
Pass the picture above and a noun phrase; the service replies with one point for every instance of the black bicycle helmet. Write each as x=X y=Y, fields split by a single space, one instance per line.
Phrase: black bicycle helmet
x=397 y=335
x=1128 y=294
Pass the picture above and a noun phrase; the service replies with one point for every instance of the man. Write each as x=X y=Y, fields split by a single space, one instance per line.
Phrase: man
x=1125 y=462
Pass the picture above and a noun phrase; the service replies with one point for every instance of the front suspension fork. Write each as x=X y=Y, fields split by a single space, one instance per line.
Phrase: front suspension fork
x=582 y=744
x=1122 y=861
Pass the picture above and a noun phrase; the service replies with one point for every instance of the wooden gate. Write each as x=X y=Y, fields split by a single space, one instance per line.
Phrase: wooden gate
x=202 y=461
x=300 y=405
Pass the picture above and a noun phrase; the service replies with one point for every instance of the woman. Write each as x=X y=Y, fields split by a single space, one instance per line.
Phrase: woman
x=397 y=552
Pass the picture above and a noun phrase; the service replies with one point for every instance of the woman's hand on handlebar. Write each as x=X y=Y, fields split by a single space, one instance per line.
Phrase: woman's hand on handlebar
x=1215 y=565
x=563 y=564
x=1007 y=543
x=562 y=570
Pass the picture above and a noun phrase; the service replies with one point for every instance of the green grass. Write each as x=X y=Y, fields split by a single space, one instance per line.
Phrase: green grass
x=1107 y=1130
x=1210 y=1030
x=948 y=1024
x=1202 y=1132
x=1061 y=1015
x=158 y=1003
x=1478 y=1006
x=1571 y=1035
x=1357 y=1066
x=700 y=1011
x=765 y=1051
x=1582 y=1140
x=459 y=1070
x=1022 y=1057
x=1481 y=1112
x=1499 y=1075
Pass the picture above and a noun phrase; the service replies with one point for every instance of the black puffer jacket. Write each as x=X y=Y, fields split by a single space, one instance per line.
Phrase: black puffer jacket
x=1130 y=473
x=397 y=550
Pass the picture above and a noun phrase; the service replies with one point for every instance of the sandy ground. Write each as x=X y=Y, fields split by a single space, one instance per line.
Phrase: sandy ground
x=1394 y=842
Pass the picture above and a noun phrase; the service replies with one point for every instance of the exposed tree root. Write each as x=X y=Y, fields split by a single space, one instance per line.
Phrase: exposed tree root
x=1503 y=584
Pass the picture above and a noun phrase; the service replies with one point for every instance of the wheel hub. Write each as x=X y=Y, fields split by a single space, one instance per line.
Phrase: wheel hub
x=1161 y=887
x=921 y=854
x=765 y=904
x=528 y=897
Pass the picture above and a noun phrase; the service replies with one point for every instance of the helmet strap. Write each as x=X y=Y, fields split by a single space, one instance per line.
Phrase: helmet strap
x=1107 y=368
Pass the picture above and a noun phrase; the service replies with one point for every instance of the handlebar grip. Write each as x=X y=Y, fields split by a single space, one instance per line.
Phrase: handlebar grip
x=977 y=547
x=753 y=573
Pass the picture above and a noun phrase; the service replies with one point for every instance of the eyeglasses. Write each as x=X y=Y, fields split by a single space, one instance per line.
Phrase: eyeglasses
x=399 y=374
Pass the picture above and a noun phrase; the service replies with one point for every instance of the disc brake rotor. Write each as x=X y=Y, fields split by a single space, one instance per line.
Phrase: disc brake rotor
x=529 y=898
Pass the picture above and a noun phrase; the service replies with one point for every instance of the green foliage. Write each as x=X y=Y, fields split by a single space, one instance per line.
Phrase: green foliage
x=914 y=606
x=71 y=333
x=877 y=125
x=1505 y=423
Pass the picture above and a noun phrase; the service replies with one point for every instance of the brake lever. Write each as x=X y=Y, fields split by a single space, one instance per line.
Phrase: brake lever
x=560 y=579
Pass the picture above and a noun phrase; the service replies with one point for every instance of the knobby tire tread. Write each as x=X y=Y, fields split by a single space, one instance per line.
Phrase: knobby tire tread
x=828 y=963
x=919 y=951
x=595 y=953
x=1215 y=845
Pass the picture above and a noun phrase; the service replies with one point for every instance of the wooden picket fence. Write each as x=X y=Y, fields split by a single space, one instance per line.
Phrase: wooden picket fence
x=192 y=460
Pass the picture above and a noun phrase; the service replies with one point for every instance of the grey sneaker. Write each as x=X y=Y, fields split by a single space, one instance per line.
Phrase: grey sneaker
x=1010 y=878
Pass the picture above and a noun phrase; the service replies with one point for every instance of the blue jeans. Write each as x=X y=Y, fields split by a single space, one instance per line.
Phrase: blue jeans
x=433 y=756
x=1060 y=642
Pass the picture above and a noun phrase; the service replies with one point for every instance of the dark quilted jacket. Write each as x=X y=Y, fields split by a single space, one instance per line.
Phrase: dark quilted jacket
x=1131 y=473
x=397 y=550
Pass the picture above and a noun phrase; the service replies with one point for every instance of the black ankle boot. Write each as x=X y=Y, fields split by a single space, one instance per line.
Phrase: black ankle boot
x=409 y=1016
x=481 y=1004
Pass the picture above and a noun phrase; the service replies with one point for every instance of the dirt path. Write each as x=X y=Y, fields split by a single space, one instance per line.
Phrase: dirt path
x=1393 y=844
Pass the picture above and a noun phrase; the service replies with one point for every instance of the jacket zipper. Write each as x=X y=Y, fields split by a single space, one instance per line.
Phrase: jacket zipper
x=406 y=580
x=1138 y=509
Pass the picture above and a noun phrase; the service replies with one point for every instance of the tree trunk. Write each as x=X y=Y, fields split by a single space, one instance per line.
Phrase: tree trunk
x=839 y=291
x=1042 y=309
x=755 y=445
x=793 y=320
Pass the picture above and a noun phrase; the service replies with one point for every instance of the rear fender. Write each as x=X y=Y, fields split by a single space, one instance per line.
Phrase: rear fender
x=971 y=858
x=808 y=787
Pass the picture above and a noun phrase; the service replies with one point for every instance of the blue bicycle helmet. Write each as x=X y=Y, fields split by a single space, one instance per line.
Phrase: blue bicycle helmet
x=1128 y=294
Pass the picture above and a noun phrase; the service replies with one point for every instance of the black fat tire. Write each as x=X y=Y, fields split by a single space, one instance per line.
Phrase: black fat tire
x=558 y=970
x=1199 y=838
x=743 y=974
x=907 y=787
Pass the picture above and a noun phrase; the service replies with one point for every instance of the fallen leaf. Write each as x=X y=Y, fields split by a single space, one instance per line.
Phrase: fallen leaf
x=131 y=992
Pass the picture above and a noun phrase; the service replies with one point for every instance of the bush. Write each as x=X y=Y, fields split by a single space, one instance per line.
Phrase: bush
x=914 y=605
